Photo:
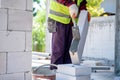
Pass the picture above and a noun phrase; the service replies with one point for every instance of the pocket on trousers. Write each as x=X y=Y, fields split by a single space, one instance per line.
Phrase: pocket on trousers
x=51 y=25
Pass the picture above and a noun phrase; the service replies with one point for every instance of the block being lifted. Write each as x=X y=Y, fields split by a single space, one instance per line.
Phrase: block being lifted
x=77 y=46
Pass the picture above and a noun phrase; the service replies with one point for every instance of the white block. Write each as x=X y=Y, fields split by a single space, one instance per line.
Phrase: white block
x=3 y=19
x=68 y=77
x=14 y=4
x=12 y=41
x=28 y=76
x=75 y=70
x=29 y=4
x=28 y=41
x=16 y=76
x=0 y=3
x=2 y=63
x=19 y=62
x=20 y=20
x=83 y=29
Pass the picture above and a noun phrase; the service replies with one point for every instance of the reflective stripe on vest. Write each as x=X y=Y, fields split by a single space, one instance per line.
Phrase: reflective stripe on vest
x=60 y=12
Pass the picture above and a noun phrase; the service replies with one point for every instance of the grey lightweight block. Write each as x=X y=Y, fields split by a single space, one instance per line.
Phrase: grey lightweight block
x=60 y=76
x=28 y=76
x=2 y=63
x=13 y=4
x=3 y=19
x=29 y=5
x=12 y=41
x=28 y=42
x=74 y=70
x=14 y=76
x=19 y=62
x=83 y=29
x=20 y=20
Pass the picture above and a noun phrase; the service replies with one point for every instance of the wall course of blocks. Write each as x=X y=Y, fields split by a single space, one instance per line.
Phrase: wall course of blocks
x=15 y=39
x=20 y=20
x=3 y=19
x=28 y=41
x=14 y=4
x=2 y=63
x=16 y=76
x=0 y=3
x=28 y=76
x=29 y=5
x=12 y=41
x=19 y=62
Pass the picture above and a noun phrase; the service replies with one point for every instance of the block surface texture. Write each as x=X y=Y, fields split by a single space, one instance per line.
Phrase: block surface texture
x=3 y=19
x=12 y=41
x=74 y=70
x=2 y=63
x=68 y=77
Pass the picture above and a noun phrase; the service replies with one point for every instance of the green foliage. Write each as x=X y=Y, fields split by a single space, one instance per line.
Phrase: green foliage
x=38 y=5
x=38 y=31
x=36 y=1
x=94 y=7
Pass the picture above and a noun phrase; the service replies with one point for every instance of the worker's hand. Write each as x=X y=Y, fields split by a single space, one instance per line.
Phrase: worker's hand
x=73 y=9
x=89 y=17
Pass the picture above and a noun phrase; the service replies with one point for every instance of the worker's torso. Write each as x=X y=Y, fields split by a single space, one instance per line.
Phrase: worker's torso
x=60 y=12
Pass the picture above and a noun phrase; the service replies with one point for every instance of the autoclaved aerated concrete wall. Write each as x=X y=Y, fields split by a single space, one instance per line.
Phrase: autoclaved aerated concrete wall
x=15 y=39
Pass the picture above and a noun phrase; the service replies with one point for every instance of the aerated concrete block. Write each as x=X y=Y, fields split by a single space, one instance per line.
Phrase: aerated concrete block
x=14 y=4
x=74 y=70
x=19 y=62
x=29 y=5
x=20 y=20
x=12 y=41
x=16 y=76
x=28 y=41
x=60 y=76
x=0 y=3
x=78 y=45
x=28 y=76
x=2 y=63
x=3 y=19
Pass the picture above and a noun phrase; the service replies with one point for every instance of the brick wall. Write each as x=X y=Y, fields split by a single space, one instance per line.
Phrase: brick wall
x=15 y=39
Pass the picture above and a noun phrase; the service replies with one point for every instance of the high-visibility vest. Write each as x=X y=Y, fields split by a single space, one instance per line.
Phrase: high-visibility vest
x=60 y=12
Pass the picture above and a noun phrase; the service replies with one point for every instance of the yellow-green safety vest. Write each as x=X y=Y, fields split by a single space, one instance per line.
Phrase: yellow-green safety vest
x=60 y=12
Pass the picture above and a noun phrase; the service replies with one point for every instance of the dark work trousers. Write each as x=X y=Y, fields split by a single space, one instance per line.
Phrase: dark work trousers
x=61 y=41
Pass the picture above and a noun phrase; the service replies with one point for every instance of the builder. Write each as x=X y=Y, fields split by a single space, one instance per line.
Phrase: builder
x=60 y=25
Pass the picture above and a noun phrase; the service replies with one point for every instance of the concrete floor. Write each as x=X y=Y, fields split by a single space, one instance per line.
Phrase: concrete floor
x=98 y=75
